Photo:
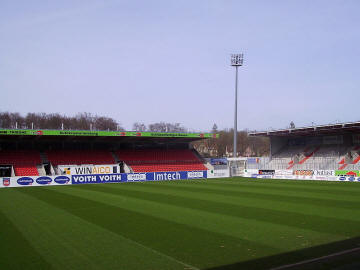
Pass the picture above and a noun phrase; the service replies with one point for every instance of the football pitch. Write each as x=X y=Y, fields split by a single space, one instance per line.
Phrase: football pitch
x=230 y=223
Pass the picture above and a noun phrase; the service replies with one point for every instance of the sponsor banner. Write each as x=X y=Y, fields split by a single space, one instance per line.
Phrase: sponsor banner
x=31 y=132
x=266 y=172
x=283 y=172
x=89 y=169
x=351 y=178
x=252 y=160
x=44 y=180
x=218 y=161
x=218 y=173
x=160 y=176
x=347 y=173
x=23 y=181
x=135 y=177
x=303 y=172
x=97 y=178
x=323 y=173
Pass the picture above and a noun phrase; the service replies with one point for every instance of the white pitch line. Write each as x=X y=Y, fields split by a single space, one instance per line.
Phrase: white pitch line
x=316 y=259
x=160 y=253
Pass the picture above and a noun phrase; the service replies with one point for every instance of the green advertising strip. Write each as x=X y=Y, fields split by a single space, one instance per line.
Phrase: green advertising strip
x=344 y=172
x=32 y=132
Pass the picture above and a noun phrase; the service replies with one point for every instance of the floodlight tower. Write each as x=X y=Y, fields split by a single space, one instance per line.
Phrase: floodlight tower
x=236 y=61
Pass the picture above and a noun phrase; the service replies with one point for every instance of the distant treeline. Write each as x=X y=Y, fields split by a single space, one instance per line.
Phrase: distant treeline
x=82 y=121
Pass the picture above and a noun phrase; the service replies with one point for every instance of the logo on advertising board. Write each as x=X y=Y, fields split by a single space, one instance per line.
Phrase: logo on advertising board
x=25 y=181
x=283 y=172
x=97 y=178
x=93 y=170
x=267 y=172
x=347 y=173
x=195 y=174
x=6 y=182
x=67 y=171
x=304 y=172
x=39 y=132
x=122 y=133
x=136 y=177
x=62 y=180
x=44 y=180
x=324 y=173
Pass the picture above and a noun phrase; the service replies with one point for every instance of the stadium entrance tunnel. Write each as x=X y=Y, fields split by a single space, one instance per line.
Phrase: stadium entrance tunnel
x=5 y=170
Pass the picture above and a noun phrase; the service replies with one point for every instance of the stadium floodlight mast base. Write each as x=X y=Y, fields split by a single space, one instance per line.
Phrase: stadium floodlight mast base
x=236 y=61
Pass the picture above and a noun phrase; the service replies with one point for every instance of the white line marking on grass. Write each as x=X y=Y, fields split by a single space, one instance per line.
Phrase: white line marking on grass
x=188 y=266
x=316 y=259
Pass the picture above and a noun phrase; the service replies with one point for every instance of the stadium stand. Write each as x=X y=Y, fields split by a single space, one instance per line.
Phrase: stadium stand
x=79 y=157
x=156 y=160
x=24 y=162
x=323 y=147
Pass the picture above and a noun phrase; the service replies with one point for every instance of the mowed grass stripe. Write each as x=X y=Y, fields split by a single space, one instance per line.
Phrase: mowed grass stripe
x=191 y=245
x=15 y=250
x=68 y=242
x=250 y=201
x=204 y=202
x=284 y=237
x=301 y=205
x=344 y=200
x=333 y=187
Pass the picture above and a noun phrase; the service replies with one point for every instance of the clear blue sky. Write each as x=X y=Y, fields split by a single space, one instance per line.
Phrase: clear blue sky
x=153 y=61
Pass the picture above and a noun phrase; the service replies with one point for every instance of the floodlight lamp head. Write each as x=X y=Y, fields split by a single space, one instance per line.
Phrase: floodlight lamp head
x=237 y=59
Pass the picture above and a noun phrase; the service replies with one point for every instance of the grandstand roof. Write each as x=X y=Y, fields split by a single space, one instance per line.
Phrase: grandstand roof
x=330 y=129
x=125 y=136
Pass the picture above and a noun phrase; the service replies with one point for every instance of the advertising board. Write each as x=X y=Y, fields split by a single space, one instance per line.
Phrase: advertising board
x=218 y=173
x=218 y=161
x=89 y=169
x=266 y=172
x=23 y=181
x=303 y=172
x=347 y=173
x=136 y=177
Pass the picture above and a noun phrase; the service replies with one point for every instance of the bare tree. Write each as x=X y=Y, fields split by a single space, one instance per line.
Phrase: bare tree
x=137 y=126
x=81 y=121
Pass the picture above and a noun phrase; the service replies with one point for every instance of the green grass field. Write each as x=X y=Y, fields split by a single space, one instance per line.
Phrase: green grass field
x=234 y=223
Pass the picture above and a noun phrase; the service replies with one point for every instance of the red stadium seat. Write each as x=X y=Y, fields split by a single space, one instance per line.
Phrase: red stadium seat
x=78 y=157
x=155 y=160
x=23 y=161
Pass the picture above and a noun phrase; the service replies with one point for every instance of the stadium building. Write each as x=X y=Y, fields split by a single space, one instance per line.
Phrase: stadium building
x=333 y=147
x=50 y=153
